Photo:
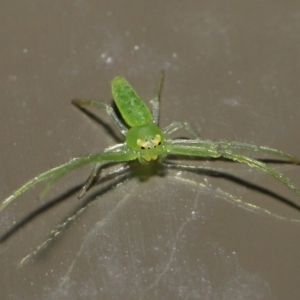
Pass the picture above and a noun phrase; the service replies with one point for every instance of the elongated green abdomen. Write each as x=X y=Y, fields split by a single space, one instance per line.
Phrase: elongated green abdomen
x=132 y=108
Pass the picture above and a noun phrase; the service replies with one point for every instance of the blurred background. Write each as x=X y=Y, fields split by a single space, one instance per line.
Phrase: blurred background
x=232 y=72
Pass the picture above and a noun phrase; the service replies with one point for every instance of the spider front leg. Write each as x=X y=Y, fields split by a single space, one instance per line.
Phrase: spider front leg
x=56 y=173
x=263 y=167
x=212 y=149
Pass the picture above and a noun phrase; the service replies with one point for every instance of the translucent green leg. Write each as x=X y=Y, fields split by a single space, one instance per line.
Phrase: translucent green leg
x=54 y=234
x=90 y=180
x=223 y=146
x=57 y=172
x=174 y=126
x=263 y=149
x=212 y=149
x=96 y=170
x=90 y=102
x=263 y=167
x=155 y=101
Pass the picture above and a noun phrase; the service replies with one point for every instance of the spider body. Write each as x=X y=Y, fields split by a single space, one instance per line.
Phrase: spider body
x=145 y=141
x=144 y=138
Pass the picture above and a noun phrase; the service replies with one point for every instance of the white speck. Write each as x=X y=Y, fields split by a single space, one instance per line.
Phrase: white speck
x=136 y=47
x=238 y=82
x=193 y=212
x=229 y=72
x=103 y=55
x=232 y=101
x=174 y=55
x=109 y=60
x=25 y=50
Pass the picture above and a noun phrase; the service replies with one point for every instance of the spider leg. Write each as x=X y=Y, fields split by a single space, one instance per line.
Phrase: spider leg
x=211 y=149
x=96 y=170
x=174 y=126
x=263 y=149
x=155 y=101
x=229 y=146
x=56 y=173
x=263 y=167
x=90 y=102
x=90 y=180
x=54 y=234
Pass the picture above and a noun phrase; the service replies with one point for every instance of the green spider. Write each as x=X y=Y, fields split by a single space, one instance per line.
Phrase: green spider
x=145 y=141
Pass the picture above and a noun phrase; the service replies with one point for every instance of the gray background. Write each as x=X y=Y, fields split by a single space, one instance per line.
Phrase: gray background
x=232 y=72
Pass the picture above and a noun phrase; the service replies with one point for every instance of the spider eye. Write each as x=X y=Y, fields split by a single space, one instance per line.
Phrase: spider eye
x=149 y=144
